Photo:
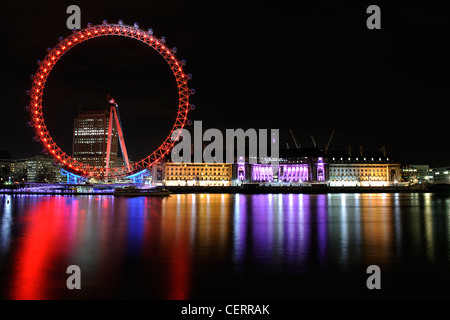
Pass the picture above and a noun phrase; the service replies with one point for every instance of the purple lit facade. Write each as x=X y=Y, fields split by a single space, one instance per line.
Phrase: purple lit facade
x=320 y=170
x=290 y=170
x=309 y=166
x=287 y=173
x=241 y=169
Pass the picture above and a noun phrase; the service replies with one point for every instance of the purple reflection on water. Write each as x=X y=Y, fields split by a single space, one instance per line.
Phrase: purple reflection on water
x=264 y=229
x=293 y=229
x=280 y=229
x=303 y=229
x=239 y=230
x=322 y=227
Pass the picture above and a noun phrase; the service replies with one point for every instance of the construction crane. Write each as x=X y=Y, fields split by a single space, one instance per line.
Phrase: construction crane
x=329 y=141
x=293 y=138
x=314 y=142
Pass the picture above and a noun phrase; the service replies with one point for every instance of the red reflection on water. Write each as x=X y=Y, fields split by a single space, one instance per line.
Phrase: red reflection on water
x=180 y=271
x=31 y=278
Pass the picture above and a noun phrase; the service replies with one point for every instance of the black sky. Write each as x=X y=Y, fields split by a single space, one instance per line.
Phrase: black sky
x=312 y=67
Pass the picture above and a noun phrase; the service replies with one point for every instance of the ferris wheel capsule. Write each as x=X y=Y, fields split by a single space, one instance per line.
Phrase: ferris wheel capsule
x=35 y=139
x=183 y=62
x=174 y=49
x=49 y=49
x=105 y=22
x=29 y=124
x=189 y=76
x=31 y=76
x=121 y=22
x=60 y=39
x=136 y=25
x=27 y=108
x=150 y=31
x=192 y=107
x=192 y=91
x=89 y=24
x=163 y=39
x=27 y=92
x=189 y=122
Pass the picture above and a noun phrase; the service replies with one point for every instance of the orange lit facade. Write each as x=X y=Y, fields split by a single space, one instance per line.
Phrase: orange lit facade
x=372 y=169
x=197 y=174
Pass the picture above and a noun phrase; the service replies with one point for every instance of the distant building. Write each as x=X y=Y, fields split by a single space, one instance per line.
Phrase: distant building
x=43 y=169
x=20 y=170
x=6 y=170
x=13 y=170
x=441 y=174
x=416 y=173
x=90 y=138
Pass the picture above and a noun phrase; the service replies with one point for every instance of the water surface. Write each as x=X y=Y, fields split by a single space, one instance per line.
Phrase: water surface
x=225 y=246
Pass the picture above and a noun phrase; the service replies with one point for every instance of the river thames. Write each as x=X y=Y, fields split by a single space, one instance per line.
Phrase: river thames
x=226 y=246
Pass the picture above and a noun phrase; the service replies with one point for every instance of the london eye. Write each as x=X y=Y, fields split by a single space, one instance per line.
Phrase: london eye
x=36 y=104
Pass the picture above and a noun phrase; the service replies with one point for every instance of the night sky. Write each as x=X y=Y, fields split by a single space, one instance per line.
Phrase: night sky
x=309 y=66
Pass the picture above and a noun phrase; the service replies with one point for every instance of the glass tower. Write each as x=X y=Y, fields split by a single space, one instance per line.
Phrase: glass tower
x=90 y=137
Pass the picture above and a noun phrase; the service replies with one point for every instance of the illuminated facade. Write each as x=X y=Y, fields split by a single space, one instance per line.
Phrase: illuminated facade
x=39 y=168
x=197 y=174
x=42 y=169
x=13 y=170
x=441 y=174
x=416 y=173
x=306 y=166
x=90 y=138
x=296 y=166
x=365 y=169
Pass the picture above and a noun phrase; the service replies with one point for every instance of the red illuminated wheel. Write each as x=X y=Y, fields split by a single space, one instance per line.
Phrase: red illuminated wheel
x=106 y=29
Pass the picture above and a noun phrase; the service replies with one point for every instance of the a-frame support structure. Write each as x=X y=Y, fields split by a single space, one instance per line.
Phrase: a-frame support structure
x=114 y=116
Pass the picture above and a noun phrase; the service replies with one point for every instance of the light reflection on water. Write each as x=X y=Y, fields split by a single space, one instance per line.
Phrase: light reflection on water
x=177 y=247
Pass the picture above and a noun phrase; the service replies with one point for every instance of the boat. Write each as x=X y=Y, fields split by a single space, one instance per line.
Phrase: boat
x=138 y=192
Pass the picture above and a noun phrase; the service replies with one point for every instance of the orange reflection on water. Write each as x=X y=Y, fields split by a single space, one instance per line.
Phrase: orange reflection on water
x=377 y=228
x=188 y=221
x=213 y=213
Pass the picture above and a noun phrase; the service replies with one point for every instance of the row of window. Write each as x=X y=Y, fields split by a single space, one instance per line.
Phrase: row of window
x=197 y=178
x=360 y=175
x=357 y=170
x=196 y=169
x=335 y=179
x=196 y=174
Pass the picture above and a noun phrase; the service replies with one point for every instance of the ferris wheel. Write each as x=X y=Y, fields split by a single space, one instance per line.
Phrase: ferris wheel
x=39 y=79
